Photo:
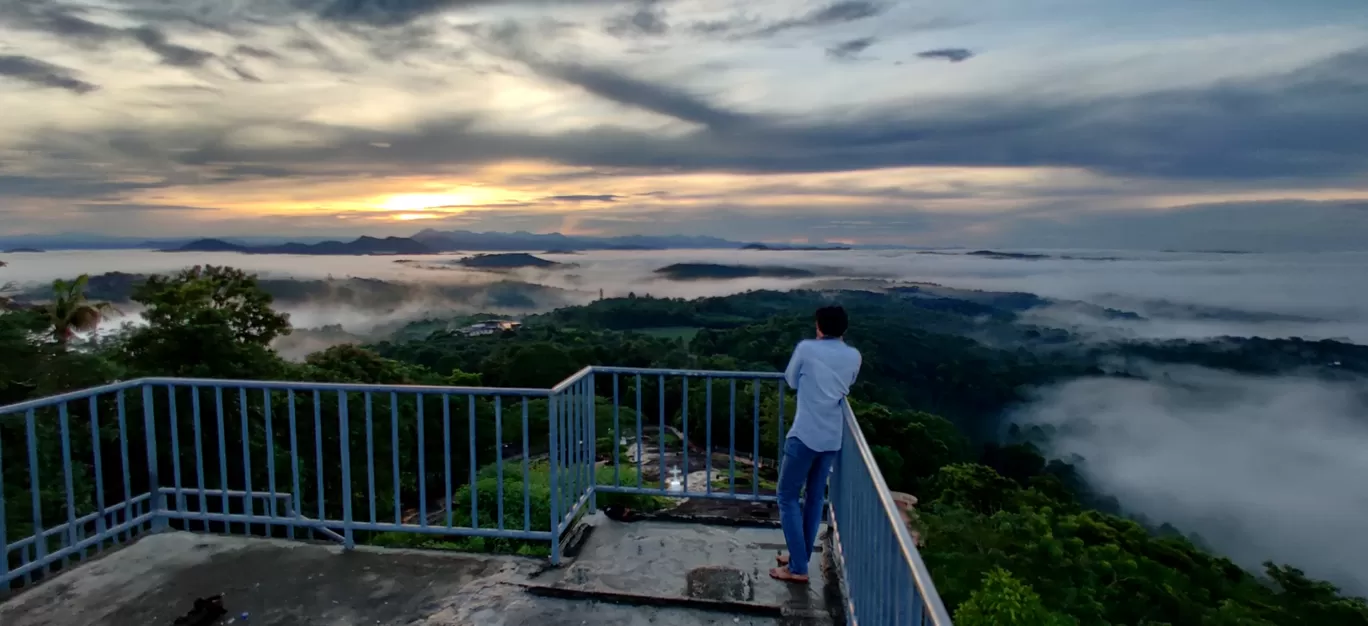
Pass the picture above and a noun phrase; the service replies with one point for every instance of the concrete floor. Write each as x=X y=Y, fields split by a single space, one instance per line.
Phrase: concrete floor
x=656 y=573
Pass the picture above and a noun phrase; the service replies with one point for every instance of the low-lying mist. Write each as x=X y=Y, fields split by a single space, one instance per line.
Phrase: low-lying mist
x=1180 y=295
x=1261 y=468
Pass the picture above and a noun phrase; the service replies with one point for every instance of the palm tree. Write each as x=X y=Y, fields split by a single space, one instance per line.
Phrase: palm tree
x=70 y=312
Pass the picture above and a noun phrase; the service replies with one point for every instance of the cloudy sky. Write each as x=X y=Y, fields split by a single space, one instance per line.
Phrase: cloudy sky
x=1050 y=123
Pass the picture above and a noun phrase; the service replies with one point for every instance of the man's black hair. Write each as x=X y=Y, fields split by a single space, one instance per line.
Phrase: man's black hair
x=832 y=321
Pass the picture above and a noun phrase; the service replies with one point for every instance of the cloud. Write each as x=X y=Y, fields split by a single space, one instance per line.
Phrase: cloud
x=841 y=12
x=390 y=12
x=647 y=19
x=57 y=20
x=135 y=208
x=953 y=55
x=70 y=186
x=658 y=98
x=583 y=198
x=1243 y=461
x=43 y=74
x=849 y=50
x=1306 y=124
x=171 y=54
x=748 y=27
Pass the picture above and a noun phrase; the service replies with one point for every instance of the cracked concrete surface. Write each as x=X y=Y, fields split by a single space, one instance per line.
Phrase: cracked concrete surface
x=284 y=583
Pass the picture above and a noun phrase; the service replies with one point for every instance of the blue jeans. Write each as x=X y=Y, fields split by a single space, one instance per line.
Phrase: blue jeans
x=803 y=467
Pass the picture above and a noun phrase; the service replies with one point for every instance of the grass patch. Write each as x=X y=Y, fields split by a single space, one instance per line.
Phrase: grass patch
x=538 y=489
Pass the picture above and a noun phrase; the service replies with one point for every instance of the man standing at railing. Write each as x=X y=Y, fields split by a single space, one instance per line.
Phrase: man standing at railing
x=822 y=370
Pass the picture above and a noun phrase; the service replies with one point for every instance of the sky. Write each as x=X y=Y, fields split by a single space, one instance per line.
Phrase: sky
x=1225 y=124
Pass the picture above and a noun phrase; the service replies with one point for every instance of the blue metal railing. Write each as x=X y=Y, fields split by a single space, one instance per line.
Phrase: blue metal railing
x=84 y=471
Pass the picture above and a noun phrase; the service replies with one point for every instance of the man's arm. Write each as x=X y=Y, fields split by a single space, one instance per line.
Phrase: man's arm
x=795 y=367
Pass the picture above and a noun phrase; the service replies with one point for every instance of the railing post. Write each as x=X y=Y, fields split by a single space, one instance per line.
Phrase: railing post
x=592 y=399
x=554 y=474
x=157 y=499
x=348 y=542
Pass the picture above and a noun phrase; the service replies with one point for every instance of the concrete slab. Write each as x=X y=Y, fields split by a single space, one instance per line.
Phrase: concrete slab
x=281 y=583
x=691 y=561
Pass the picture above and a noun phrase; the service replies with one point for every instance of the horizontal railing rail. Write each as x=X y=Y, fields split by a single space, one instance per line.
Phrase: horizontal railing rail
x=416 y=466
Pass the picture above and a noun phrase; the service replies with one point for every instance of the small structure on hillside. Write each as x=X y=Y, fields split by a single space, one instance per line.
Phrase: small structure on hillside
x=489 y=327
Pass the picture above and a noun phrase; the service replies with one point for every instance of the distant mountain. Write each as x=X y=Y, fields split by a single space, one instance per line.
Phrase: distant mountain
x=360 y=246
x=495 y=242
x=23 y=251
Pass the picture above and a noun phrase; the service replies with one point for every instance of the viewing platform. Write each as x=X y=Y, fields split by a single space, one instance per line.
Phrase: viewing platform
x=619 y=496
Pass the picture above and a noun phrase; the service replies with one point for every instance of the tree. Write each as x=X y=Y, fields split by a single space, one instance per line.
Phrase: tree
x=70 y=312
x=1005 y=601
x=206 y=321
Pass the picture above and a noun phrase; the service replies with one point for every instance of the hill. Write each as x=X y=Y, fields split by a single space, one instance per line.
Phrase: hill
x=359 y=246
x=513 y=260
x=714 y=271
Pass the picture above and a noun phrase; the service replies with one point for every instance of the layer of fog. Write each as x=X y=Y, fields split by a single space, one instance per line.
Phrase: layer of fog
x=1262 y=468
x=1319 y=294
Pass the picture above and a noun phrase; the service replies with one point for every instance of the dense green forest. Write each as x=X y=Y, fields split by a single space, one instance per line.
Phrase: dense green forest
x=1010 y=537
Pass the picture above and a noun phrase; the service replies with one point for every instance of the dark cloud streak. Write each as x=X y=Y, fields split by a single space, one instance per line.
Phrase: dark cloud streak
x=953 y=55
x=645 y=95
x=850 y=50
x=43 y=74
x=171 y=54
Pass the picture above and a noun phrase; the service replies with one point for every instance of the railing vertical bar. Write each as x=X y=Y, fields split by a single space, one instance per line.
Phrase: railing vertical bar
x=755 y=439
x=553 y=463
x=587 y=440
x=175 y=449
x=661 y=433
x=779 y=452
x=127 y=473
x=394 y=456
x=344 y=435
x=422 y=464
x=199 y=457
x=370 y=456
x=272 y=506
x=100 y=525
x=567 y=460
x=318 y=450
x=4 y=536
x=574 y=409
x=641 y=445
x=446 y=461
x=64 y=423
x=474 y=487
x=222 y=457
x=684 y=403
x=707 y=435
x=247 y=505
x=592 y=385
x=153 y=469
x=498 y=451
x=617 y=435
x=526 y=469
x=731 y=441
x=297 y=497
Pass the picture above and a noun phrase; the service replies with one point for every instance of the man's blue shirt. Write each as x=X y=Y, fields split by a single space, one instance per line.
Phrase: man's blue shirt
x=822 y=370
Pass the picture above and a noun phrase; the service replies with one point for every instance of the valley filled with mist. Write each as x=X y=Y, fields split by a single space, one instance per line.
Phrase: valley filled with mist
x=1218 y=397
